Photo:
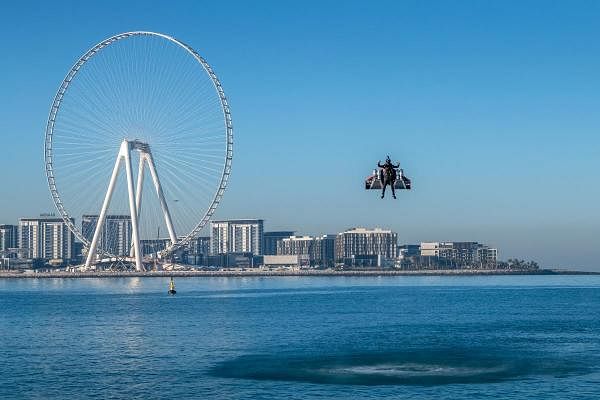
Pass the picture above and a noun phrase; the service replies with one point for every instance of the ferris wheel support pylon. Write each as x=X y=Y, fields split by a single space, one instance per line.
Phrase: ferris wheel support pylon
x=161 y=196
x=138 y=193
x=111 y=187
x=134 y=199
x=135 y=229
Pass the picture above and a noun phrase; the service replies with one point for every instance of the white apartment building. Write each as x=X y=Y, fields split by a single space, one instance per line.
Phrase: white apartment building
x=366 y=242
x=236 y=236
x=46 y=238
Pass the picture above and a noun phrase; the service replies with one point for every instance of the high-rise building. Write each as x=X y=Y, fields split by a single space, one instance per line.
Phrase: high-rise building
x=46 y=238
x=236 y=236
x=359 y=242
x=270 y=241
x=318 y=250
x=8 y=240
x=115 y=237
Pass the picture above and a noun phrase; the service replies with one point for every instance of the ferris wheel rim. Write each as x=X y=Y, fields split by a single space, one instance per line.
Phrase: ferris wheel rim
x=55 y=107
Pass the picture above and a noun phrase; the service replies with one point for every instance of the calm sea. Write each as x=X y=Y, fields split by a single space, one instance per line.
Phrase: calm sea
x=509 y=337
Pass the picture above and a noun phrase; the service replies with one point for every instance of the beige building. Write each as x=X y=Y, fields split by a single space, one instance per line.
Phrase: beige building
x=282 y=261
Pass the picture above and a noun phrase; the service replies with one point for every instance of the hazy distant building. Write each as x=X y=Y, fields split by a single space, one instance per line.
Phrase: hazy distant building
x=150 y=247
x=115 y=237
x=358 y=242
x=487 y=255
x=197 y=251
x=409 y=250
x=46 y=238
x=231 y=260
x=270 y=240
x=78 y=256
x=203 y=245
x=236 y=236
x=9 y=235
x=437 y=249
x=318 y=251
x=460 y=253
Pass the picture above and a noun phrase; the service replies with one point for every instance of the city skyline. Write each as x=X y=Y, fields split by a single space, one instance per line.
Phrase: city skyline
x=87 y=219
x=491 y=114
x=46 y=242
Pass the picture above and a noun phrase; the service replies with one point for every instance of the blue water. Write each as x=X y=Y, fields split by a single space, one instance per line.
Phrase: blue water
x=509 y=337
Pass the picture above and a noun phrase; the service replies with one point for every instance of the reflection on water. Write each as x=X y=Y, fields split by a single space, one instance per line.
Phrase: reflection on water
x=134 y=284
x=421 y=367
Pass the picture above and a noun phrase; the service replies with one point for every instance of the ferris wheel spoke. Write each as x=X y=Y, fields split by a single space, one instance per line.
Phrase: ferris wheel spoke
x=195 y=178
x=200 y=169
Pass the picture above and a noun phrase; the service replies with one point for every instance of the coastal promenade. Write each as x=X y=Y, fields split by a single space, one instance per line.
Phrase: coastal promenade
x=275 y=273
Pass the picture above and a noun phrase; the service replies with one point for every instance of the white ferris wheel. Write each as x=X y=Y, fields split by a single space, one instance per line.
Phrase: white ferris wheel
x=139 y=141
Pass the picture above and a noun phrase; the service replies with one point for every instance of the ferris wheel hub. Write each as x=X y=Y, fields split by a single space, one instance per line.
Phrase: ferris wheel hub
x=138 y=145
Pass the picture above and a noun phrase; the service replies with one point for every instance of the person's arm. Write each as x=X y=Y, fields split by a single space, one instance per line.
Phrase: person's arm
x=397 y=166
x=379 y=164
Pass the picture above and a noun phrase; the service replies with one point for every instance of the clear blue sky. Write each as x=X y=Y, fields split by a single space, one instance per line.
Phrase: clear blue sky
x=491 y=107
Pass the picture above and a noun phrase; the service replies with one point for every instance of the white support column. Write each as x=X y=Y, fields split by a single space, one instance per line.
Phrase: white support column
x=91 y=256
x=140 y=183
x=138 y=193
x=132 y=207
x=135 y=199
x=161 y=198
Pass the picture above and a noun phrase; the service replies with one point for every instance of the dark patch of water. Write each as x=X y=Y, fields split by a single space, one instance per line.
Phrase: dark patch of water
x=414 y=367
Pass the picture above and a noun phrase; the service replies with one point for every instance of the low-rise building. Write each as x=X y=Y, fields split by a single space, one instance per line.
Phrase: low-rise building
x=358 y=242
x=270 y=240
x=319 y=250
x=231 y=260
x=282 y=261
x=460 y=254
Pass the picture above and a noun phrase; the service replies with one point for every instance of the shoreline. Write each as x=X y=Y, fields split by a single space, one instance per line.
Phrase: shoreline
x=296 y=273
